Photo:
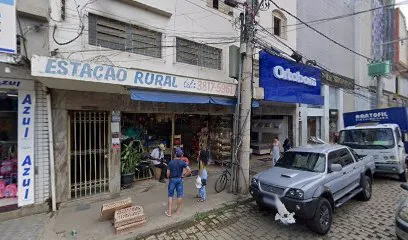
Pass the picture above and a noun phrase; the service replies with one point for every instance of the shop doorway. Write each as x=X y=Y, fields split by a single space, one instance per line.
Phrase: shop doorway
x=191 y=132
x=8 y=149
x=313 y=127
x=89 y=153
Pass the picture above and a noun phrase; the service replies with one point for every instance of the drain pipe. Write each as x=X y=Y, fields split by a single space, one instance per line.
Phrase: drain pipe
x=51 y=150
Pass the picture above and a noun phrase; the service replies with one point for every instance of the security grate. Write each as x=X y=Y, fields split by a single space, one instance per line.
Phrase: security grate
x=89 y=169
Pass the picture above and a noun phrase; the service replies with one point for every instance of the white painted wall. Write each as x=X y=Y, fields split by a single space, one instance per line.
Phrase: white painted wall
x=190 y=19
x=403 y=45
x=362 y=44
x=403 y=86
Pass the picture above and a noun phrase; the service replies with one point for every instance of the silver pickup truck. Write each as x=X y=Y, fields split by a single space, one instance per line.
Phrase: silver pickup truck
x=313 y=180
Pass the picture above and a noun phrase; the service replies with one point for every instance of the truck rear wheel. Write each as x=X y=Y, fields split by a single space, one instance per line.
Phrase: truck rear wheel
x=365 y=195
x=403 y=176
x=323 y=217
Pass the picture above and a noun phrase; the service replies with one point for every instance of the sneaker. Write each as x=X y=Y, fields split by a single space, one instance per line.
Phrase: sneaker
x=162 y=181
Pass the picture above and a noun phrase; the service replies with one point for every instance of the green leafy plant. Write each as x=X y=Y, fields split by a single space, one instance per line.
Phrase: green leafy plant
x=129 y=159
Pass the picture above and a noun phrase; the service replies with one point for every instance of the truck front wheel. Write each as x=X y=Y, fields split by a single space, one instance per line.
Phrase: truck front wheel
x=323 y=217
x=403 y=176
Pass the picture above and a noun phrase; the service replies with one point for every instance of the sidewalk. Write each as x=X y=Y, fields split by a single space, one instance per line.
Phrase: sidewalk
x=83 y=217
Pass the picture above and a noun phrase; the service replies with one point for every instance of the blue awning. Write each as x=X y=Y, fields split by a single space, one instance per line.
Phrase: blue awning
x=153 y=96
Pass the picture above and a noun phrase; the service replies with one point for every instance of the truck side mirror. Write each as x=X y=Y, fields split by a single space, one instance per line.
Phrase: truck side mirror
x=335 y=167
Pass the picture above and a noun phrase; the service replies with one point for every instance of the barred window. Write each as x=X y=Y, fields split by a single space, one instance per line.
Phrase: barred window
x=121 y=36
x=198 y=54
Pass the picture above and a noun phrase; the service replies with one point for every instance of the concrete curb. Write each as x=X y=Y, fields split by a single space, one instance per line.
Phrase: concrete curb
x=191 y=219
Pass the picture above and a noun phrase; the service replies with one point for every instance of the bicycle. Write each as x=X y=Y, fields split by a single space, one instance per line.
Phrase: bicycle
x=223 y=179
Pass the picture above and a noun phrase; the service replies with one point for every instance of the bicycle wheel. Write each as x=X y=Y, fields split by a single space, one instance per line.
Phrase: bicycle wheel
x=221 y=183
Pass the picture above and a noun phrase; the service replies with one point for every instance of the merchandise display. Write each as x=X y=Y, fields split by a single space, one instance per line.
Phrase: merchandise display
x=221 y=140
x=8 y=150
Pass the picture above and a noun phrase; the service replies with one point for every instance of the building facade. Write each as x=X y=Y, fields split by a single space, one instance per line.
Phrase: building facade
x=395 y=86
x=346 y=84
x=118 y=70
x=25 y=184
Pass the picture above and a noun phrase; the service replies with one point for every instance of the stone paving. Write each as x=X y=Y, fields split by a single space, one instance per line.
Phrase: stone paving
x=356 y=220
x=31 y=228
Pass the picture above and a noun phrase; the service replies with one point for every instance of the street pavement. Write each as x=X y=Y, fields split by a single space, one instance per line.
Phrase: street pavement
x=356 y=220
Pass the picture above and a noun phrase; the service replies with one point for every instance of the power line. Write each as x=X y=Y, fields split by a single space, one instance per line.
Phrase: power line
x=323 y=20
x=317 y=63
x=139 y=48
x=320 y=33
x=159 y=29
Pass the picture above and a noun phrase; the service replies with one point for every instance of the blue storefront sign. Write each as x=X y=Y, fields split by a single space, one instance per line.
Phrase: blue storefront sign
x=287 y=81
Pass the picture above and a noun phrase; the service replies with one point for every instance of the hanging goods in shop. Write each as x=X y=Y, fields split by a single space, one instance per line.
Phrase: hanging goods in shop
x=2 y=188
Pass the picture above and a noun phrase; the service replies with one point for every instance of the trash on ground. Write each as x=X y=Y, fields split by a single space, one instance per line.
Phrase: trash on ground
x=283 y=215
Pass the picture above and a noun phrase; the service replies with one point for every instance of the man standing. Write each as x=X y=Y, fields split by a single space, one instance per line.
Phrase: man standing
x=175 y=175
x=157 y=155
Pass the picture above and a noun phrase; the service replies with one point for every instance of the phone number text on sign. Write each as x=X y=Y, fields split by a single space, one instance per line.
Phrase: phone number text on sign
x=210 y=87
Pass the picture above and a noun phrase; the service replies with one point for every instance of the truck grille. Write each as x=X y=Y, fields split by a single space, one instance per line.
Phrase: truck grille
x=272 y=189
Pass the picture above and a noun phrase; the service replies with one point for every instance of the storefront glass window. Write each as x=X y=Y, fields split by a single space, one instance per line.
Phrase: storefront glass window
x=8 y=148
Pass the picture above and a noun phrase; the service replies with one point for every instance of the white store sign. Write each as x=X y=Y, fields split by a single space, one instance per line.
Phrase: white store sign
x=26 y=100
x=89 y=72
x=8 y=42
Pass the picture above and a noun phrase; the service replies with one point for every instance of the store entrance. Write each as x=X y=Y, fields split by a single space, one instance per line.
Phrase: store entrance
x=8 y=149
x=191 y=132
x=89 y=153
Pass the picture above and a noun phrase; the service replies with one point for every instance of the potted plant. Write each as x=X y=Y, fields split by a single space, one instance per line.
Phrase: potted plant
x=129 y=161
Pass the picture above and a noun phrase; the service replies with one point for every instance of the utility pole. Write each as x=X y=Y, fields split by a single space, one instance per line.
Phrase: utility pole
x=244 y=139
x=234 y=186
x=380 y=88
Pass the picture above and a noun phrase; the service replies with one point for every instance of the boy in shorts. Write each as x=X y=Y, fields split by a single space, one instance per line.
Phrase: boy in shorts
x=175 y=174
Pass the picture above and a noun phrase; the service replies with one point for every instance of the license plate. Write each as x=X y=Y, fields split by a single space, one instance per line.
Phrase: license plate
x=269 y=200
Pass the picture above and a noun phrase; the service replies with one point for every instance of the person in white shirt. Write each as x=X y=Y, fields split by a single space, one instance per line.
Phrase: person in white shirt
x=157 y=156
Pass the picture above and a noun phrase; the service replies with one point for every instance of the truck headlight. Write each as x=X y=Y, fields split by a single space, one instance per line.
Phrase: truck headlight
x=391 y=159
x=295 y=193
x=403 y=214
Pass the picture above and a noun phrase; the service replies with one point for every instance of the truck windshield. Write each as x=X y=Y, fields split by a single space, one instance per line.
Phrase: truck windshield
x=306 y=161
x=379 y=138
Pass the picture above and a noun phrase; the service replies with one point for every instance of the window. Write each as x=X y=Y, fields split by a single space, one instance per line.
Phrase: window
x=220 y=6
x=19 y=47
x=256 y=68
x=198 y=54
x=379 y=138
x=277 y=26
x=398 y=135
x=121 y=36
x=356 y=156
x=279 y=23
x=306 y=161
x=342 y=157
x=333 y=158
x=215 y=4
x=346 y=157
